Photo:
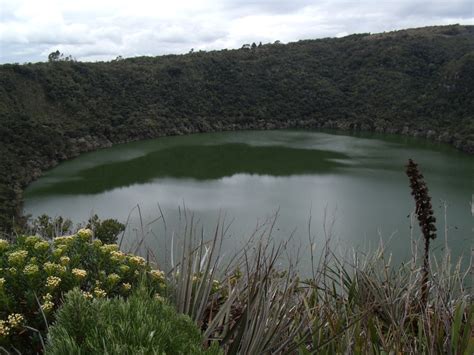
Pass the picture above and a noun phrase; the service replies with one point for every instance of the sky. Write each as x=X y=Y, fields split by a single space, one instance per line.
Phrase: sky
x=96 y=30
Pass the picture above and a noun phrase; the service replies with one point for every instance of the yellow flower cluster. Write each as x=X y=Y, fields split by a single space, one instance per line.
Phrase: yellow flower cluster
x=108 y=248
x=97 y=243
x=48 y=304
x=64 y=260
x=87 y=295
x=32 y=240
x=53 y=268
x=15 y=320
x=157 y=275
x=126 y=286
x=2 y=281
x=42 y=246
x=3 y=244
x=4 y=329
x=117 y=255
x=113 y=278
x=63 y=240
x=31 y=269
x=85 y=234
x=124 y=268
x=137 y=260
x=79 y=273
x=17 y=257
x=99 y=293
x=59 y=251
x=53 y=281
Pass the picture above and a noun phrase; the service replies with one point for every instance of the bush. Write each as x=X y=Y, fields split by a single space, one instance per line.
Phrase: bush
x=35 y=273
x=141 y=324
x=106 y=230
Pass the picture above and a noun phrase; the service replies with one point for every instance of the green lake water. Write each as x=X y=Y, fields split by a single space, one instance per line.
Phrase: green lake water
x=353 y=187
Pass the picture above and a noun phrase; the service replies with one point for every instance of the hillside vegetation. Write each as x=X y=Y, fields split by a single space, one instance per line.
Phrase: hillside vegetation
x=417 y=82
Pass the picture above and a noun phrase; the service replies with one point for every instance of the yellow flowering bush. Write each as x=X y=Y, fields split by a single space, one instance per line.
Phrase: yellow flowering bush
x=36 y=273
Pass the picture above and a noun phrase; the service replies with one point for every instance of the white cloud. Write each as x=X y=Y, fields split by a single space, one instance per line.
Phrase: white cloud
x=102 y=30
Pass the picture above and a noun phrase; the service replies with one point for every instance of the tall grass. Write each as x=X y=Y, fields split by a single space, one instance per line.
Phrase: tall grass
x=249 y=303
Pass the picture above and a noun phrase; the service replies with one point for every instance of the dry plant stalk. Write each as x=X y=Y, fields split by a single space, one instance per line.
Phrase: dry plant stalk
x=426 y=220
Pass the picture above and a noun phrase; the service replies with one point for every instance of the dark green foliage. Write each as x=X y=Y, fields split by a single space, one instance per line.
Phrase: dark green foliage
x=107 y=230
x=139 y=325
x=415 y=82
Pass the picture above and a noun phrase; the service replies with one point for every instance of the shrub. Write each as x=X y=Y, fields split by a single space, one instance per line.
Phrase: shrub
x=35 y=273
x=141 y=324
x=106 y=230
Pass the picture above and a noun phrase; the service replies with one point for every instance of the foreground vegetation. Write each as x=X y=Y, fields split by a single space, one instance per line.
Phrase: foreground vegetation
x=141 y=324
x=417 y=82
x=35 y=273
x=246 y=303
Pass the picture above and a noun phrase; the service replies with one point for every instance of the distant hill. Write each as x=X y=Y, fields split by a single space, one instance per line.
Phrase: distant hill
x=417 y=82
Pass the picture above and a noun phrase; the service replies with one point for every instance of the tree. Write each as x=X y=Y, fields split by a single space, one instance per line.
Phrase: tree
x=59 y=57
x=55 y=56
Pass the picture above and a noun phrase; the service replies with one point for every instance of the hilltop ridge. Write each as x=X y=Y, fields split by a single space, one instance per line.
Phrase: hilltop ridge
x=416 y=82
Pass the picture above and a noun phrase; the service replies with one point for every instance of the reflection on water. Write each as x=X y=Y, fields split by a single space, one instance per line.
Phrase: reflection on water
x=359 y=182
x=200 y=162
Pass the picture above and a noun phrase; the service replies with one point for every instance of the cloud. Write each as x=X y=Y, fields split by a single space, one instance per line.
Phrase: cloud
x=102 y=30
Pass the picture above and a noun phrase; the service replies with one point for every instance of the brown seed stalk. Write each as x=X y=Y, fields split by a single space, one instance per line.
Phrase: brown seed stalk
x=426 y=220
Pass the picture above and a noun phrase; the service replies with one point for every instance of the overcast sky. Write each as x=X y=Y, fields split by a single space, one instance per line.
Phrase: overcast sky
x=91 y=30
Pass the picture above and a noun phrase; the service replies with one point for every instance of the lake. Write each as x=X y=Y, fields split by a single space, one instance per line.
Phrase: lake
x=352 y=187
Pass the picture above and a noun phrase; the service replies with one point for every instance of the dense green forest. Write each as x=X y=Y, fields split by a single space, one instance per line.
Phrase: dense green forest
x=417 y=82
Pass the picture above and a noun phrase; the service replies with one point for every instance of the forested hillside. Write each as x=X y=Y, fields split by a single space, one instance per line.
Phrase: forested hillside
x=417 y=82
